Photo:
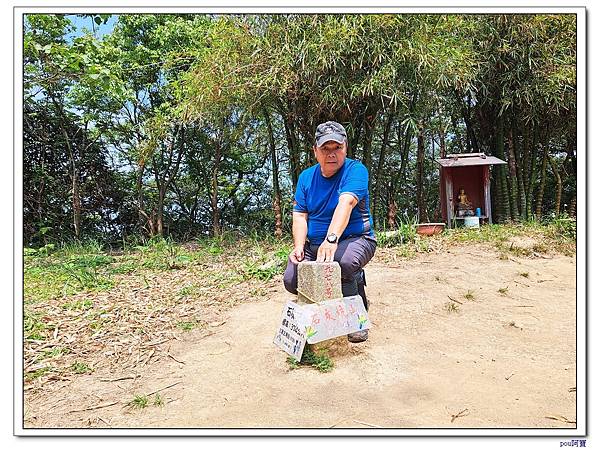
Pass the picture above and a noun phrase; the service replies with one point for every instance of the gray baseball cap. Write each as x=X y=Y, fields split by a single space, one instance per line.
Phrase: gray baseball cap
x=330 y=131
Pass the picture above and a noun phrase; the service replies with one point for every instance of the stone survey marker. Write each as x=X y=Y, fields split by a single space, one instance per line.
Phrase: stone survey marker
x=320 y=314
x=318 y=281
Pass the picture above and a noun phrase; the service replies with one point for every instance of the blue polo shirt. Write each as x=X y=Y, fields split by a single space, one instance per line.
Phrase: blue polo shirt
x=318 y=196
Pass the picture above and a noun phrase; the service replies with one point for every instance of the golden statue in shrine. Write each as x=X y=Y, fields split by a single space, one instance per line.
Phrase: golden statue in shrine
x=463 y=199
x=465 y=207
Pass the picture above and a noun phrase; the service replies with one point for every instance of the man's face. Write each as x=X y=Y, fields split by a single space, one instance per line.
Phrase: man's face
x=331 y=157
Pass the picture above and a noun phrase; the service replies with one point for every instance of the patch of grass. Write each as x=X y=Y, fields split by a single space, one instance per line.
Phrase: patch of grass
x=540 y=248
x=78 y=305
x=282 y=254
x=84 y=278
x=215 y=249
x=451 y=307
x=562 y=227
x=524 y=274
x=552 y=234
x=515 y=249
x=95 y=325
x=126 y=267
x=142 y=401
x=264 y=263
x=319 y=360
x=71 y=269
x=33 y=327
x=186 y=291
x=139 y=401
x=41 y=251
x=162 y=254
x=37 y=373
x=81 y=368
x=503 y=290
x=262 y=272
x=485 y=233
x=555 y=233
x=257 y=292
x=406 y=251
x=405 y=233
x=42 y=282
x=469 y=295
x=188 y=326
x=292 y=363
x=84 y=247
x=54 y=352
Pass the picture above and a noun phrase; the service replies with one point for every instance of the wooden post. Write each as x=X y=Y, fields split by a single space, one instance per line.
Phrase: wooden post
x=486 y=193
x=449 y=197
x=442 y=193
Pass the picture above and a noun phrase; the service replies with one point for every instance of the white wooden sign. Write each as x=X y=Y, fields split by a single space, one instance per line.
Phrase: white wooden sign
x=317 y=322
x=290 y=336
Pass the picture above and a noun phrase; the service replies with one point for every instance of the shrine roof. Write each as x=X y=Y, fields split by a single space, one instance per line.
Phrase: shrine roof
x=468 y=159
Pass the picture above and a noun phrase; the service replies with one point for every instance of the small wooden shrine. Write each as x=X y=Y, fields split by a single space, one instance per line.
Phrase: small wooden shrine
x=465 y=187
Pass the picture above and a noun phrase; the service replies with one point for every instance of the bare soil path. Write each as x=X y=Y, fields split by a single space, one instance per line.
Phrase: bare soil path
x=503 y=356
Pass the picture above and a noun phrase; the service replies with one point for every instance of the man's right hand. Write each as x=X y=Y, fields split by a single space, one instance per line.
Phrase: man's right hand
x=297 y=254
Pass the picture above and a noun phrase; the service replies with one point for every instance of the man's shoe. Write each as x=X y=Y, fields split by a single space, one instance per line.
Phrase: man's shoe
x=358 y=336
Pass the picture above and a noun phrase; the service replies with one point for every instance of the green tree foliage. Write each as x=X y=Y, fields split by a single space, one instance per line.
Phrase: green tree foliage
x=193 y=124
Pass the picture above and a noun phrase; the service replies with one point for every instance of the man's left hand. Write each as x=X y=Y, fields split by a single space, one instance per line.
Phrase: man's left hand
x=326 y=252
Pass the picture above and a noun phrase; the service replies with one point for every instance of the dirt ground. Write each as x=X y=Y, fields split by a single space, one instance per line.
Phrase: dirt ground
x=503 y=356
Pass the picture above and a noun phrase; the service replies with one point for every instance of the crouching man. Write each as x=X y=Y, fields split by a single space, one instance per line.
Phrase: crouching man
x=331 y=216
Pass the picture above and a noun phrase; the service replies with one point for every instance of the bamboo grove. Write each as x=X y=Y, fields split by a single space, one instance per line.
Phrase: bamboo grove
x=189 y=125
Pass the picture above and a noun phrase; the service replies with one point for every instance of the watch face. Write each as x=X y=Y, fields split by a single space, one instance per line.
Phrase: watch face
x=332 y=238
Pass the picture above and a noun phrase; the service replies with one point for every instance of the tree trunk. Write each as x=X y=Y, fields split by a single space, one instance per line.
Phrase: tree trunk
x=558 y=194
x=420 y=169
x=160 y=204
x=164 y=179
x=502 y=201
x=355 y=135
x=459 y=136
x=573 y=207
x=142 y=214
x=570 y=149
x=405 y=150
x=292 y=141
x=437 y=212
x=518 y=150
x=472 y=145
x=525 y=162
x=392 y=206
x=512 y=180
x=275 y=174
x=379 y=173
x=540 y=197
x=367 y=159
x=532 y=169
x=442 y=136
x=75 y=193
x=76 y=204
x=214 y=198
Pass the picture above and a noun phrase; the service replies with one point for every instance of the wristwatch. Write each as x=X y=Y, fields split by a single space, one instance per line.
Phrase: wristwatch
x=332 y=238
